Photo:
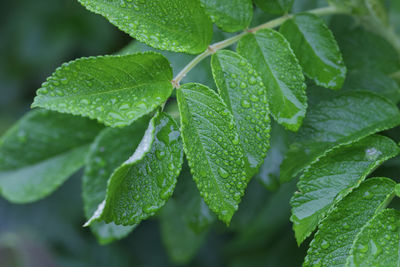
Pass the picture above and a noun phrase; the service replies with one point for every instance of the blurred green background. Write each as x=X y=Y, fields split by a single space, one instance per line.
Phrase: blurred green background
x=35 y=38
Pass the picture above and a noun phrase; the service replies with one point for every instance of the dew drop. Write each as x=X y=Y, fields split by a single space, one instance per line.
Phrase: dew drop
x=223 y=173
x=245 y=103
x=160 y=154
x=324 y=244
x=149 y=209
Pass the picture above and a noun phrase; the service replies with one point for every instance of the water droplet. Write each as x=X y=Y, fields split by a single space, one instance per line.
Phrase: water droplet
x=245 y=103
x=160 y=154
x=235 y=141
x=22 y=136
x=254 y=98
x=362 y=248
x=372 y=153
x=367 y=195
x=223 y=172
x=171 y=166
x=84 y=102
x=324 y=244
x=166 y=192
x=346 y=225
x=149 y=209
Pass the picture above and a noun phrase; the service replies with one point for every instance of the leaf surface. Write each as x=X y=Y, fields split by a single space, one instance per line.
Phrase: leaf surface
x=359 y=49
x=40 y=152
x=275 y=6
x=374 y=81
x=316 y=48
x=143 y=183
x=110 y=149
x=175 y=25
x=229 y=15
x=332 y=243
x=185 y=221
x=271 y=56
x=378 y=242
x=245 y=95
x=115 y=90
x=334 y=176
x=268 y=175
x=212 y=148
x=340 y=120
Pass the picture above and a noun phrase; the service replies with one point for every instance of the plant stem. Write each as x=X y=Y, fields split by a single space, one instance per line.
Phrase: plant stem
x=225 y=43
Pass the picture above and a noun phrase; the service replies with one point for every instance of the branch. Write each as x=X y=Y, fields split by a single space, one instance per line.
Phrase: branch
x=225 y=43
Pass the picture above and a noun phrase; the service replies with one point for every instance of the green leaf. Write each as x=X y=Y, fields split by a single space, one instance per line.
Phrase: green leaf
x=212 y=148
x=143 y=183
x=359 y=49
x=196 y=213
x=40 y=152
x=334 y=176
x=181 y=242
x=185 y=221
x=110 y=149
x=229 y=15
x=277 y=7
x=115 y=90
x=331 y=244
x=175 y=25
x=271 y=55
x=245 y=95
x=374 y=81
x=372 y=13
x=340 y=120
x=378 y=242
x=268 y=175
x=316 y=48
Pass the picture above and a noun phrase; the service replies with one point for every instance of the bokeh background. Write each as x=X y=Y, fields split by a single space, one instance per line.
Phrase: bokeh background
x=35 y=38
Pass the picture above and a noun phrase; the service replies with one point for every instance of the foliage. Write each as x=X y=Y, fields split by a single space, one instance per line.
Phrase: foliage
x=129 y=122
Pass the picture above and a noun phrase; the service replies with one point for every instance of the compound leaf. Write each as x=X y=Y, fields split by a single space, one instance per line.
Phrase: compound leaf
x=334 y=176
x=115 y=90
x=275 y=6
x=110 y=149
x=175 y=25
x=41 y=151
x=143 y=183
x=316 y=48
x=271 y=56
x=378 y=242
x=332 y=243
x=212 y=148
x=229 y=15
x=340 y=120
x=245 y=95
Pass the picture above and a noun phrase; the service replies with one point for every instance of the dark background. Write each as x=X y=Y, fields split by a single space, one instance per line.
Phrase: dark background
x=35 y=38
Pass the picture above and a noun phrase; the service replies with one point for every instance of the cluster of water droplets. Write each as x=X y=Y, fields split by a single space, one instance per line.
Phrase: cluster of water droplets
x=150 y=181
x=250 y=108
x=379 y=240
x=116 y=100
x=215 y=156
x=161 y=24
